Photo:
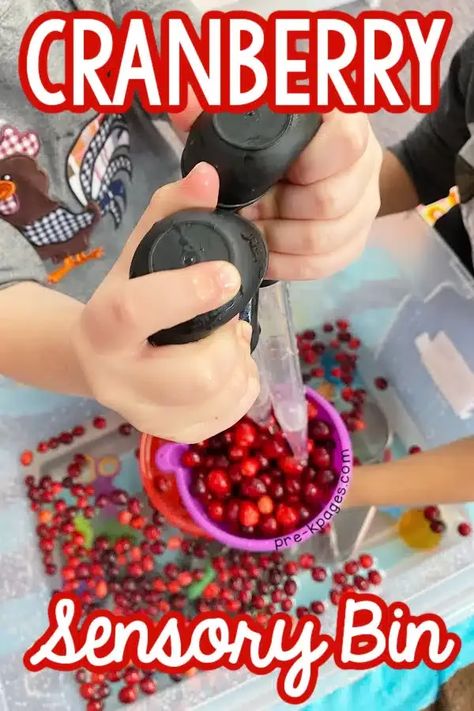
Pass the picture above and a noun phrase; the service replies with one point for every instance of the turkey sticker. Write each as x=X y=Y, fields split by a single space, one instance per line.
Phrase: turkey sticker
x=97 y=166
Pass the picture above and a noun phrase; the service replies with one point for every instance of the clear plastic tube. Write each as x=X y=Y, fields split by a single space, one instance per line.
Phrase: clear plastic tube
x=279 y=366
x=261 y=410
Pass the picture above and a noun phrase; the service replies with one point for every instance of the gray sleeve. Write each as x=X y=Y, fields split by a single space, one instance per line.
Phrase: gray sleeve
x=154 y=8
x=429 y=152
x=18 y=260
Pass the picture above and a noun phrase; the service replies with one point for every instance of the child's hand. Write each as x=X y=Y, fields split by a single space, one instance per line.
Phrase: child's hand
x=317 y=221
x=183 y=393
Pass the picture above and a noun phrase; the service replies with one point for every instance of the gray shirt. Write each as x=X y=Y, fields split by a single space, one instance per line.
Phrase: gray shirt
x=73 y=186
x=439 y=152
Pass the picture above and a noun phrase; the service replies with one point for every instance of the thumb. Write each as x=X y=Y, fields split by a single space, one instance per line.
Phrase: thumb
x=199 y=189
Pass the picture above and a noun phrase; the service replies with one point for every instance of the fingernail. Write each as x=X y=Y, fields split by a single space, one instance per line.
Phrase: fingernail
x=202 y=172
x=228 y=278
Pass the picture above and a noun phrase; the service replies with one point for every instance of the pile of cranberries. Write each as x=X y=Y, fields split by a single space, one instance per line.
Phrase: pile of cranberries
x=249 y=483
x=126 y=574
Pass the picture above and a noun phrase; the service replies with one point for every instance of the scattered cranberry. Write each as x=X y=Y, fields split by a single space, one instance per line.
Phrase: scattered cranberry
x=26 y=458
x=317 y=607
x=100 y=423
x=319 y=574
x=431 y=513
x=366 y=561
x=374 y=577
x=128 y=695
x=414 y=449
x=351 y=567
x=148 y=685
x=464 y=529
x=438 y=526
x=381 y=383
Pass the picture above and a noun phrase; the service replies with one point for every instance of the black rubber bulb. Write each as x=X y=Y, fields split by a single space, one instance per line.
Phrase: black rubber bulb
x=251 y=152
x=193 y=236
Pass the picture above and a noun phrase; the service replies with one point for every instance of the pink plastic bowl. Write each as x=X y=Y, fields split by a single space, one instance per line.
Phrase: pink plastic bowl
x=168 y=459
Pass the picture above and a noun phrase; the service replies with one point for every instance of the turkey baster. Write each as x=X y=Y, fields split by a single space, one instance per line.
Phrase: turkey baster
x=250 y=152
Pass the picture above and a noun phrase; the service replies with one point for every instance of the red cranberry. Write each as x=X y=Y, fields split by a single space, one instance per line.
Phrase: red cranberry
x=87 y=691
x=125 y=429
x=301 y=612
x=237 y=453
x=249 y=514
x=127 y=695
x=319 y=574
x=326 y=477
x=321 y=458
x=132 y=676
x=290 y=466
x=94 y=706
x=312 y=493
x=381 y=383
x=290 y=568
x=245 y=434
x=26 y=458
x=464 y=529
x=290 y=587
x=232 y=511
x=335 y=597
x=361 y=583
x=99 y=423
x=215 y=511
x=320 y=431
x=351 y=567
x=218 y=483
x=148 y=685
x=374 y=577
x=277 y=491
x=250 y=466
x=286 y=604
x=414 y=449
x=293 y=488
x=366 y=560
x=339 y=578
x=265 y=505
x=268 y=526
x=432 y=513
x=438 y=526
x=253 y=489
x=191 y=459
x=317 y=607
x=287 y=516
x=78 y=431
x=306 y=561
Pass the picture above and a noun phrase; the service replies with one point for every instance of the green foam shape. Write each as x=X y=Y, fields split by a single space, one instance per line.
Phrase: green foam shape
x=195 y=589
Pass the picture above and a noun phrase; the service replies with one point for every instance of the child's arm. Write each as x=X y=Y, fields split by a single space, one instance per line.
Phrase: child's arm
x=35 y=343
x=184 y=393
x=440 y=476
x=422 y=167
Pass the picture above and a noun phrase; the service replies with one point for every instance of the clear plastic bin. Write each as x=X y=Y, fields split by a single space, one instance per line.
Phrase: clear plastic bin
x=406 y=286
